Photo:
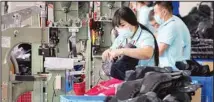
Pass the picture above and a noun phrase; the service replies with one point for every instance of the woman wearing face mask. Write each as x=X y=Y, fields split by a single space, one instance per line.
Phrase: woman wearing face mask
x=130 y=31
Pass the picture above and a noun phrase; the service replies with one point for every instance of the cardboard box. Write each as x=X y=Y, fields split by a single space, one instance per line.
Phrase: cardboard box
x=205 y=62
x=197 y=96
x=210 y=65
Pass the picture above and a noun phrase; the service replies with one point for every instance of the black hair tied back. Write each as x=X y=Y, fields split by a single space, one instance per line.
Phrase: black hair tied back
x=156 y=49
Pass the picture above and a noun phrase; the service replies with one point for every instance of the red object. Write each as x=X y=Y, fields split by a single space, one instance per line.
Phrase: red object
x=47 y=23
x=79 y=88
x=83 y=76
x=26 y=97
x=107 y=88
x=91 y=23
x=95 y=15
x=109 y=92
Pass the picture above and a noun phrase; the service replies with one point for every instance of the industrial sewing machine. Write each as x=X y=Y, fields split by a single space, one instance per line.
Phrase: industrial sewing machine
x=44 y=42
x=69 y=37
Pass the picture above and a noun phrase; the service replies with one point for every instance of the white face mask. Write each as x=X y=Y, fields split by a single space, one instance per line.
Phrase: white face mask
x=158 y=19
x=125 y=33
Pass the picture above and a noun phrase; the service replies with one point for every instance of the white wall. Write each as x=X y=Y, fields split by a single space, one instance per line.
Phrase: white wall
x=14 y=6
x=186 y=7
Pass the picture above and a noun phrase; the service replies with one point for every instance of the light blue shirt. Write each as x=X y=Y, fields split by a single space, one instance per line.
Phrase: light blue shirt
x=145 y=39
x=186 y=38
x=143 y=17
x=170 y=34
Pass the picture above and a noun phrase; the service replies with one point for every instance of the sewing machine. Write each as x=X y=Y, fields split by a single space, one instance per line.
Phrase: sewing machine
x=14 y=85
x=44 y=42
x=67 y=36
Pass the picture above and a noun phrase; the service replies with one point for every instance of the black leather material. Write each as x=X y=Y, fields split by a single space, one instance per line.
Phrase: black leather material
x=200 y=24
x=142 y=70
x=162 y=82
x=123 y=64
x=150 y=82
x=195 y=68
x=118 y=67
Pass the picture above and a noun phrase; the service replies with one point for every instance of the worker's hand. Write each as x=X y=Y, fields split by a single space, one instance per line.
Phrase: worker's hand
x=115 y=53
x=106 y=55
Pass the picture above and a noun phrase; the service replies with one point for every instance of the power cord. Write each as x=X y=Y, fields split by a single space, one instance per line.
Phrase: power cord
x=54 y=92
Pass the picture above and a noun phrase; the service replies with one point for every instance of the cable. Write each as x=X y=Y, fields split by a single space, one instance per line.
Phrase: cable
x=100 y=74
x=54 y=92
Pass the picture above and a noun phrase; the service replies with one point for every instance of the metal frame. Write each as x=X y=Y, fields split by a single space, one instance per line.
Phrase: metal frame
x=0 y=58
x=31 y=35
x=26 y=32
x=24 y=13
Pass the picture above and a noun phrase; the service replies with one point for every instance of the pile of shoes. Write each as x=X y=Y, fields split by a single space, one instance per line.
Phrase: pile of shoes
x=155 y=84
x=201 y=27
x=194 y=67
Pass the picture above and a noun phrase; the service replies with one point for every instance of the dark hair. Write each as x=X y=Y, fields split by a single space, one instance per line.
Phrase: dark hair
x=166 y=4
x=126 y=14
x=151 y=15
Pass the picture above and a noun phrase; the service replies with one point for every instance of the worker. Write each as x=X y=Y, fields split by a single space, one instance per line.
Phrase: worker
x=173 y=35
x=186 y=39
x=130 y=31
x=152 y=22
x=143 y=13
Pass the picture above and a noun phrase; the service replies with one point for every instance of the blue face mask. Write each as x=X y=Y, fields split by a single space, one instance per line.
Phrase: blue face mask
x=158 y=19
x=125 y=33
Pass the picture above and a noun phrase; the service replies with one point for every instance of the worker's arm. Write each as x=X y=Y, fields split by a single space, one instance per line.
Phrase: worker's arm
x=115 y=45
x=165 y=39
x=162 y=48
x=144 y=50
x=138 y=53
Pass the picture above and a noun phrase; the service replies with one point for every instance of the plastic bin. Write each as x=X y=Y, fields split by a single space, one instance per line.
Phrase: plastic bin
x=79 y=88
x=82 y=98
x=207 y=89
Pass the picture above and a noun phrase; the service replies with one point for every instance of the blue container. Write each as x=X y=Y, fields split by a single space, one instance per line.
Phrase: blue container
x=207 y=89
x=71 y=98
x=69 y=80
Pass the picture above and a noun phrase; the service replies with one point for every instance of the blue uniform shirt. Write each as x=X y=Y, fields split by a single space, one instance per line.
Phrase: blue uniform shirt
x=144 y=39
x=169 y=34
x=185 y=37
